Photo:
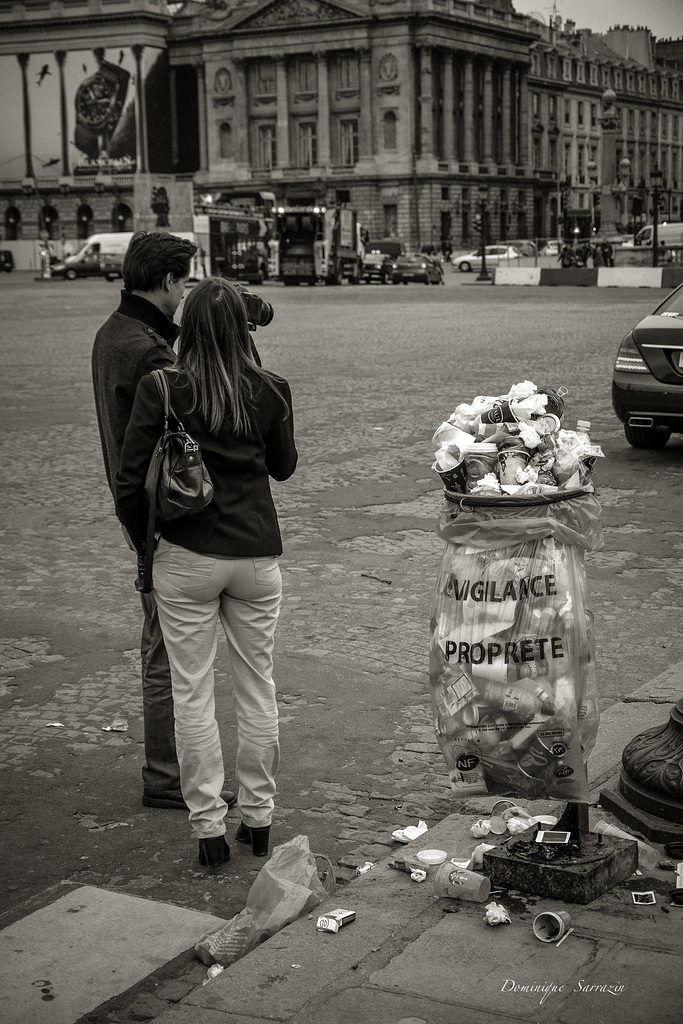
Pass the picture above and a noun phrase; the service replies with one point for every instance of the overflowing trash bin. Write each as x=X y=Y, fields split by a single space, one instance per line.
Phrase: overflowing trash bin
x=512 y=648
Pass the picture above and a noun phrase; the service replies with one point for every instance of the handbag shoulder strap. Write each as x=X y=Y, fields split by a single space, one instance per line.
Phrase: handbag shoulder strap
x=161 y=381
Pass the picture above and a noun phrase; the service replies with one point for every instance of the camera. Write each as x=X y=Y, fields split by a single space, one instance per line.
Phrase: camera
x=259 y=312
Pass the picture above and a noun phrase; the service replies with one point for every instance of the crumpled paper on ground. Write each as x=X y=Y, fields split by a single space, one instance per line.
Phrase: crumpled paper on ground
x=496 y=914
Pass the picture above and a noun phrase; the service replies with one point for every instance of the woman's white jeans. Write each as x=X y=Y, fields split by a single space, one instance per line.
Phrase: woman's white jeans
x=193 y=591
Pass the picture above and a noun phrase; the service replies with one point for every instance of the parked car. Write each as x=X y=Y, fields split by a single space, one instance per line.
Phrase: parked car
x=524 y=245
x=495 y=255
x=407 y=269
x=647 y=382
x=377 y=266
x=551 y=248
x=6 y=260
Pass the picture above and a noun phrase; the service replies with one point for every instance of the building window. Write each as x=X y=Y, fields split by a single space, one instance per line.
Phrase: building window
x=582 y=165
x=225 y=141
x=630 y=81
x=552 y=108
x=553 y=155
x=265 y=78
x=631 y=122
x=445 y=193
x=674 y=89
x=580 y=72
x=535 y=104
x=567 y=111
x=348 y=137
x=389 y=129
x=593 y=74
x=567 y=169
x=594 y=115
x=579 y=115
x=618 y=78
x=605 y=78
x=674 y=126
x=308 y=144
x=552 y=67
x=567 y=70
x=267 y=146
x=13 y=221
x=653 y=87
x=308 y=75
x=348 y=72
x=665 y=126
x=535 y=64
x=641 y=83
x=537 y=154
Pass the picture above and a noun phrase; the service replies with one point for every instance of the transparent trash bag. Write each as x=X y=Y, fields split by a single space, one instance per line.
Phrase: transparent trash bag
x=287 y=886
x=512 y=648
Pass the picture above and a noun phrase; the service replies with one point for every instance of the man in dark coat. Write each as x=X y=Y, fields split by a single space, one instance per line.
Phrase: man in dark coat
x=135 y=340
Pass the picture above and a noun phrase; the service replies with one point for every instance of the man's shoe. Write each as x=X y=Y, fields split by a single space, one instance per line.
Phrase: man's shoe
x=171 y=802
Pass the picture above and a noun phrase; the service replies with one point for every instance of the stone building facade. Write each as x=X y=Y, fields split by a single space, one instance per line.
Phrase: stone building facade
x=411 y=111
x=570 y=73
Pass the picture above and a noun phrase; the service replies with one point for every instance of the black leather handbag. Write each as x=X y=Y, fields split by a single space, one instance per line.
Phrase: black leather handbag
x=177 y=483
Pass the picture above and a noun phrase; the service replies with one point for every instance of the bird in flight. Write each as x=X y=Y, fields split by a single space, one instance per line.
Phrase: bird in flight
x=51 y=163
x=45 y=70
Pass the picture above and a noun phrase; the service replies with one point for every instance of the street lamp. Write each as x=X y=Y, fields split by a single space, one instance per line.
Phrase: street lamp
x=565 y=192
x=592 y=169
x=483 y=205
x=656 y=179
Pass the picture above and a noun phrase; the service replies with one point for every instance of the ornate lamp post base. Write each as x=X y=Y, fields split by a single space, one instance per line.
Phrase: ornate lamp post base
x=649 y=796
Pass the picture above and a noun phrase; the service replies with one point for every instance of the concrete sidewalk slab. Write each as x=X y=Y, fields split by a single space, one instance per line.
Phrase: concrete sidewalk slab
x=68 y=958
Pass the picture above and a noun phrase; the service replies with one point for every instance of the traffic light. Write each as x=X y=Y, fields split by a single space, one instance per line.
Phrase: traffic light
x=478 y=224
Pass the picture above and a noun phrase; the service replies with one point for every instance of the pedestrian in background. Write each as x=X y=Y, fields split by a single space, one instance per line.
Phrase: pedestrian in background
x=222 y=562
x=135 y=340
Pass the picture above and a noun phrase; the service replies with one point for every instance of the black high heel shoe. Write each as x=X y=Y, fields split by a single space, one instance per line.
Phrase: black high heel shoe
x=258 y=837
x=214 y=851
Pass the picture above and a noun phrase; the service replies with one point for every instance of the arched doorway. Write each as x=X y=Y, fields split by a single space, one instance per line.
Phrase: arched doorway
x=49 y=221
x=122 y=217
x=12 y=223
x=84 y=217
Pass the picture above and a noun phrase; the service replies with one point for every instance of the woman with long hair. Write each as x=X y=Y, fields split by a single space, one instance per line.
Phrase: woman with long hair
x=220 y=563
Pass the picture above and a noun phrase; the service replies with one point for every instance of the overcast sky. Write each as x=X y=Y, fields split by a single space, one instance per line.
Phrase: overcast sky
x=663 y=17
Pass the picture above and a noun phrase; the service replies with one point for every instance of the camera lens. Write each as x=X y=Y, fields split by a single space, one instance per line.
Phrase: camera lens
x=266 y=312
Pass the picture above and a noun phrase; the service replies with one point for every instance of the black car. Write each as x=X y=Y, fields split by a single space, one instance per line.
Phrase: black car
x=412 y=267
x=6 y=260
x=647 y=384
x=377 y=266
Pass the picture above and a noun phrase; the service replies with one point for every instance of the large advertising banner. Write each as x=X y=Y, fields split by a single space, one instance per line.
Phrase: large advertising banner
x=100 y=93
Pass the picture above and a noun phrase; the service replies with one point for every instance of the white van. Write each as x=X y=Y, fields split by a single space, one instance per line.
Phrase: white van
x=667 y=234
x=102 y=256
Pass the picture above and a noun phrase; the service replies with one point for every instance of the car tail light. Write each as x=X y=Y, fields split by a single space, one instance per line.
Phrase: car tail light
x=629 y=358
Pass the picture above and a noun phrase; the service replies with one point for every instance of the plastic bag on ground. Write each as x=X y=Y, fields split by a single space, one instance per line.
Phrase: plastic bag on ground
x=512 y=649
x=286 y=887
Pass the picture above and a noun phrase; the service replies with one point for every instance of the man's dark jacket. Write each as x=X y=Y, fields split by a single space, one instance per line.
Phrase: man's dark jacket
x=135 y=340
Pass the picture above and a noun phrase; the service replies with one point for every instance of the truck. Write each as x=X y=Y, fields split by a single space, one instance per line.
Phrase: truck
x=317 y=244
x=102 y=256
x=667 y=234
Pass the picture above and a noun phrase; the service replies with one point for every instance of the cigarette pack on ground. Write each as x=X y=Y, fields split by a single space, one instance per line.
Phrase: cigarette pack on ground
x=335 y=920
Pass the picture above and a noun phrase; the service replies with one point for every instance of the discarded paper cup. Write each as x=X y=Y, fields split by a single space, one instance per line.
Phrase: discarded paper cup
x=552 y=925
x=460 y=884
x=509 y=461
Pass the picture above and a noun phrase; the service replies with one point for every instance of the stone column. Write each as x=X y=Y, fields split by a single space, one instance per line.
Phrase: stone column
x=60 y=57
x=200 y=71
x=240 y=124
x=28 y=159
x=506 y=116
x=488 y=112
x=426 y=127
x=173 y=97
x=141 y=111
x=323 y=111
x=282 y=113
x=365 y=127
x=523 y=120
x=468 y=111
x=448 y=106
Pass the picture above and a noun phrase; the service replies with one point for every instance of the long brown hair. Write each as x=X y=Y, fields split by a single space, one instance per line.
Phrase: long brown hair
x=215 y=351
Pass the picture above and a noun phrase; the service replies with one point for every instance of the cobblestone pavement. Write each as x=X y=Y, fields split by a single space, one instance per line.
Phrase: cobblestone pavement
x=373 y=373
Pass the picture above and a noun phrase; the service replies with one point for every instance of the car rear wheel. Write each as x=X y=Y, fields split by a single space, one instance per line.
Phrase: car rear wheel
x=71 y=275
x=646 y=437
x=464 y=267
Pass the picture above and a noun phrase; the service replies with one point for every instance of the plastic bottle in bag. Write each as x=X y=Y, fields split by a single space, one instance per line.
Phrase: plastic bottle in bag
x=647 y=856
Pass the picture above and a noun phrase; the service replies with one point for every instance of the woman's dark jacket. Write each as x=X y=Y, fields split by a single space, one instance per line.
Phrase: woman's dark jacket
x=240 y=521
